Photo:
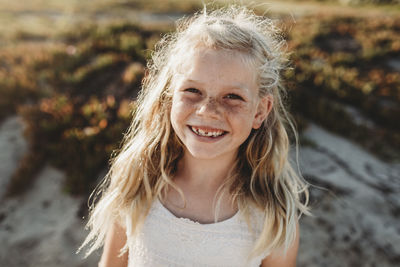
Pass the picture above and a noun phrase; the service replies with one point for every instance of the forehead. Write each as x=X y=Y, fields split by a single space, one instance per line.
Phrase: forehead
x=220 y=67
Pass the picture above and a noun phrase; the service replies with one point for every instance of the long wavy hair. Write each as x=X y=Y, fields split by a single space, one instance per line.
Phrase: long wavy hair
x=262 y=176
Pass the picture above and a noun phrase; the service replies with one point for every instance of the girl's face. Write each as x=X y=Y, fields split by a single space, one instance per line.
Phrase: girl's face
x=216 y=103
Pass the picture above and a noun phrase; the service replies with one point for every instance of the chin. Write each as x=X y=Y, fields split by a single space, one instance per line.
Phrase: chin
x=207 y=154
x=202 y=156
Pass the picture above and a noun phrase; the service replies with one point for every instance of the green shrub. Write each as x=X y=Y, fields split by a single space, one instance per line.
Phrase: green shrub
x=343 y=62
x=80 y=119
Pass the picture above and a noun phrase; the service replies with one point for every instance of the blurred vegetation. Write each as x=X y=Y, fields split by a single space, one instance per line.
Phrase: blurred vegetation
x=79 y=100
x=346 y=77
x=43 y=19
x=76 y=92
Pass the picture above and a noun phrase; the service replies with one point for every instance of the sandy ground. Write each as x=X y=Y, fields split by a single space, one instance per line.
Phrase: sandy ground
x=12 y=148
x=355 y=201
x=40 y=228
x=356 y=209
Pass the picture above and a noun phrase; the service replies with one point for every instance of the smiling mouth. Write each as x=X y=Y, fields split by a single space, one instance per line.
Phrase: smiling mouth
x=207 y=132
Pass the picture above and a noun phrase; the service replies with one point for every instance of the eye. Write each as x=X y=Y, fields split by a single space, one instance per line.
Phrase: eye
x=192 y=90
x=234 y=97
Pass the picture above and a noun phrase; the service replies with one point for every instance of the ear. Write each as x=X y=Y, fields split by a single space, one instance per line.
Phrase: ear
x=263 y=109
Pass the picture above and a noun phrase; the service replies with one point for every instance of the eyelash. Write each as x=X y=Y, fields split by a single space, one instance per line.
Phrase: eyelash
x=192 y=90
x=234 y=97
x=228 y=96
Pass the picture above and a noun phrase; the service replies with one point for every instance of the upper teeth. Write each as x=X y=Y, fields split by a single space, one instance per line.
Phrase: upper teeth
x=213 y=133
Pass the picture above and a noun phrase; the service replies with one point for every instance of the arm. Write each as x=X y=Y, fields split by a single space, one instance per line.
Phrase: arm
x=278 y=258
x=115 y=240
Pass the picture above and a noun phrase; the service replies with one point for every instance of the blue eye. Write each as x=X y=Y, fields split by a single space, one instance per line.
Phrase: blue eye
x=234 y=97
x=192 y=90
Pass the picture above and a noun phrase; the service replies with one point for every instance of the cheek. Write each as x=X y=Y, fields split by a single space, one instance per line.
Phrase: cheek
x=174 y=118
x=234 y=109
x=239 y=111
x=184 y=103
x=242 y=116
x=179 y=111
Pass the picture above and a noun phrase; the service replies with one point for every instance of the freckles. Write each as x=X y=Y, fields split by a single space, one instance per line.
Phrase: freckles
x=238 y=109
x=182 y=107
x=180 y=101
x=190 y=101
x=186 y=105
x=231 y=110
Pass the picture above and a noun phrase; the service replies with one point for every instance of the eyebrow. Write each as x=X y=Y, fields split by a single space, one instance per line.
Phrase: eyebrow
x=233 y=86
x=192 y=81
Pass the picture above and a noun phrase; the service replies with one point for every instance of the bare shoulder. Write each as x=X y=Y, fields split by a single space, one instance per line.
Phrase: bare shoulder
x=115 y=240
x=278 y=258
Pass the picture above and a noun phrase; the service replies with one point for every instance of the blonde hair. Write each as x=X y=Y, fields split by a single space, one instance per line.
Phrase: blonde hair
x=262 y=177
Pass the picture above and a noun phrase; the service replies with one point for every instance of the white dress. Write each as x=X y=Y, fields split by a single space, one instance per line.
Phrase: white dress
x=166 y=240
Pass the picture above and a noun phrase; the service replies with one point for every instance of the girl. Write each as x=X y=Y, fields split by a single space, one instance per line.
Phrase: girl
x=203 y=178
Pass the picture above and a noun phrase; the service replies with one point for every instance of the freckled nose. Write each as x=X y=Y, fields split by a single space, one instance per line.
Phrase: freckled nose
x=209 y=107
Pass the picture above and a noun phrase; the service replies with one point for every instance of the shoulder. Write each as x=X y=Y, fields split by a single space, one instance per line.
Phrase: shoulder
x=254 y=217
x=284 y=258
x=113 y=246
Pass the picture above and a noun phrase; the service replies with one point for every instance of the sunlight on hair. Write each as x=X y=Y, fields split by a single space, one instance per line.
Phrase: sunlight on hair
x=262 y=176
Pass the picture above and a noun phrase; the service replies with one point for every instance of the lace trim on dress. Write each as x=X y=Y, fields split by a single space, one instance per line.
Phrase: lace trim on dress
x=167 y=240
x=167 y=212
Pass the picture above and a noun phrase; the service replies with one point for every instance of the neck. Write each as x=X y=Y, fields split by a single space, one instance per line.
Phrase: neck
x=205 y=174
x=199 y=181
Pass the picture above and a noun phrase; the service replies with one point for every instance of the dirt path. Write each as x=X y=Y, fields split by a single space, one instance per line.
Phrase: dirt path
x=355 y=202
x=13 y=147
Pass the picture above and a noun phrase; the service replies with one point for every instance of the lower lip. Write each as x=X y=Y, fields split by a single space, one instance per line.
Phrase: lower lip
x=207 y=139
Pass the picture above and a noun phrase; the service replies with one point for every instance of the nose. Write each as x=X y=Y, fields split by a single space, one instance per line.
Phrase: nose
x=209 y=107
